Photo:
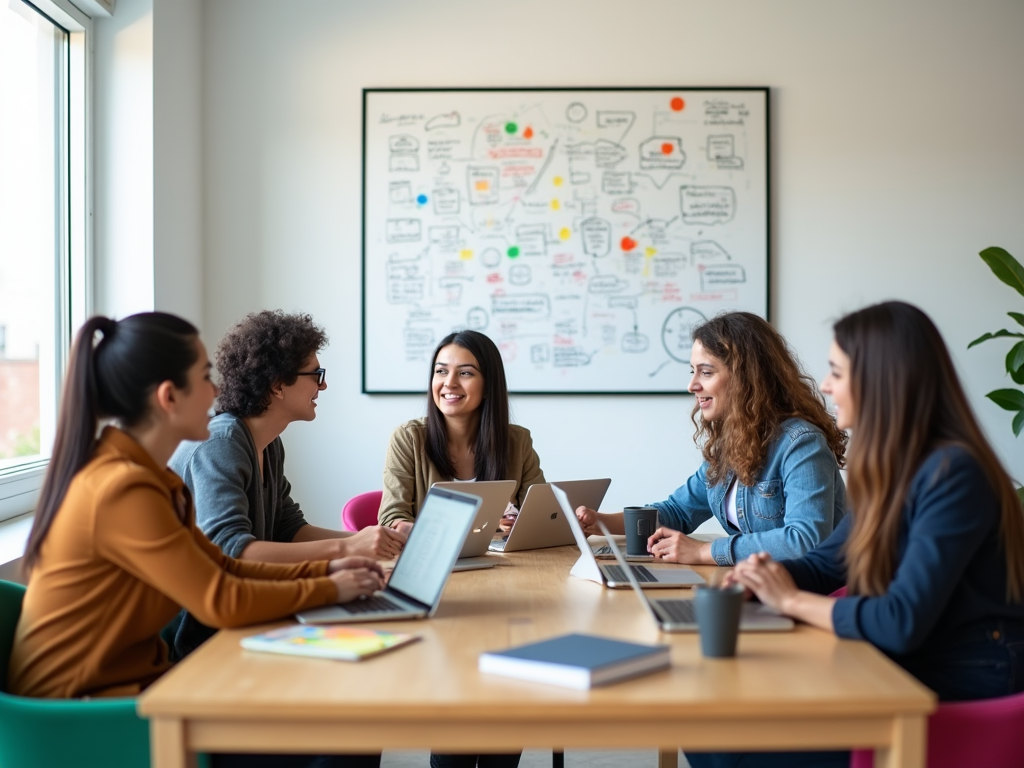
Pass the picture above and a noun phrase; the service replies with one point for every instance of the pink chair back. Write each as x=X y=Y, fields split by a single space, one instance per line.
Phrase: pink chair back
x=986 y=733
x=361 y=511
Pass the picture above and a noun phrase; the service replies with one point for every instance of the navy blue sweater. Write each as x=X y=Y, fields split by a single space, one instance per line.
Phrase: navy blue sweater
x=950 y=565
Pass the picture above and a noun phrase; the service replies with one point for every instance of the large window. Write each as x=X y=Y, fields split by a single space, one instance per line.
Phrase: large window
x=43 y=238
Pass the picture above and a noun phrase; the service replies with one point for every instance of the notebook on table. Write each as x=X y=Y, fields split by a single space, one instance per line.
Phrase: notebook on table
x=613 y=575
x=675 y=615
x=494 y=496
x=541 y=522
x=422 y=570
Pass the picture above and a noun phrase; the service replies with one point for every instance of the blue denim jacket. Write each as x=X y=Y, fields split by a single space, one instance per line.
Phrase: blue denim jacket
x=798 y=498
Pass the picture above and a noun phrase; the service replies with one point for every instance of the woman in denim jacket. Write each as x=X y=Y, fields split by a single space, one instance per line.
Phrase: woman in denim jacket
x=771 y=451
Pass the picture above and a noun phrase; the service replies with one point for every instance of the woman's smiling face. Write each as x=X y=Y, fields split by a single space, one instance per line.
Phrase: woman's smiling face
x=709 y=382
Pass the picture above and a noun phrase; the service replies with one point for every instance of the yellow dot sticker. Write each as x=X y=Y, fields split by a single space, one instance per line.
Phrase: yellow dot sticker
x=466 y=254
x=557 y=181
x=564 y=233
x=555 y=205
x=650 y=251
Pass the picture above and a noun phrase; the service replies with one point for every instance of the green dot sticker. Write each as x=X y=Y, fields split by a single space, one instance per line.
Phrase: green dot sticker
x=511 y=127
x=513 y=252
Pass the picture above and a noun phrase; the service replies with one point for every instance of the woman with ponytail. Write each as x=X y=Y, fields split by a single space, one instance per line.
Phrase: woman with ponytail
x=932 y=552
x=114 y=551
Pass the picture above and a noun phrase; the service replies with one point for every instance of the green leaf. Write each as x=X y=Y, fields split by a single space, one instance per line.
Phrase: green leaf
x=1015 y=358
x=1007 y=399
x=1005 y=267
x=1002 y=333
x=1017 y=316
x=1018 y=423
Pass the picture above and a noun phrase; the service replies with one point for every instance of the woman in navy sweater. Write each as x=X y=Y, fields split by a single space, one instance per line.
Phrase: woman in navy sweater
x=932 y=552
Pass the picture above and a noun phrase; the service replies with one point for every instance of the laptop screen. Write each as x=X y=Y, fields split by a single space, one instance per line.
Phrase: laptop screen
x=435 y=541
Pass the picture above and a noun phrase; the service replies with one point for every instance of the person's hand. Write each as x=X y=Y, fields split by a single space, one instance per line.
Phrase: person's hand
x=404 y=527
x=375 y=541
x=508 y=519
x=767 y=579
x=588 y=521
x=352 y=583
x=353 y=564
x=676 y=547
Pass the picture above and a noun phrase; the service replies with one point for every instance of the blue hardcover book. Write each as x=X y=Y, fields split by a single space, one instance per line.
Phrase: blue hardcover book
x=576 y=661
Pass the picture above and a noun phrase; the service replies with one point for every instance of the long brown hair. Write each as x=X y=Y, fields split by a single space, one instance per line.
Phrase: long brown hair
x=908 y=400
x=493 y=440
x=766 y=387
x=110 y=379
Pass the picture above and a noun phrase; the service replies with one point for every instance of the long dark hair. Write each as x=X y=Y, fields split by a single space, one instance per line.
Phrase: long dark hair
x=111 y=379
x=492 y=437
x=766 y=387
x=907 y=399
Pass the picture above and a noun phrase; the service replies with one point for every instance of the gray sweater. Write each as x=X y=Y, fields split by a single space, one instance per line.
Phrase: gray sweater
x=233 y=506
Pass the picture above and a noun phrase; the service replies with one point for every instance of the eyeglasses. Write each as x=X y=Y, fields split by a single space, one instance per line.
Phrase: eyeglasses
x=320 y=373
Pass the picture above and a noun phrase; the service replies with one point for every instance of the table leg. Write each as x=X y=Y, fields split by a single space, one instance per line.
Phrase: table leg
x=668 y=759
x=167 y=744
x=909 y=737
x=558 y=759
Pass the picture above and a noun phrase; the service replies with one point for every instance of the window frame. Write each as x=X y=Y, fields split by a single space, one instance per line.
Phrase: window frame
x=20 y=483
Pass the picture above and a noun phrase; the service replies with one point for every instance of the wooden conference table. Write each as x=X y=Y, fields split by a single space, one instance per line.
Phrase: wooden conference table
x=792 y=690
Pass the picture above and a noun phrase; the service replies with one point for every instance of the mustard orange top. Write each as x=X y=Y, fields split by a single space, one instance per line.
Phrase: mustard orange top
x=117 y=565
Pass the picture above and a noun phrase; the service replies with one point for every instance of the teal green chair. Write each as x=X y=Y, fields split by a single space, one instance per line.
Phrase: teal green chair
x=47 y=732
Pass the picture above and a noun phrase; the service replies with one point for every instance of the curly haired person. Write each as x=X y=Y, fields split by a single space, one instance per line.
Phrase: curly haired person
x=771 y=451
x=270 y=376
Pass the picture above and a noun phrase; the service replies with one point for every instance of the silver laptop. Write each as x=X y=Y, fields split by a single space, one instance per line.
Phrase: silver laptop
x=494 y=495
x=415 y=587
x=541 y=524
x=675 y=615
x=612 y=575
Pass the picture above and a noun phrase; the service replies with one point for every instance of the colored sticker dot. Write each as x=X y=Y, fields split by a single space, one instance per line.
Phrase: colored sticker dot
x=650 y=251
x=513 y=252
x=628 y=244
x=564 y=233
x=666 y=148
x=466 y=254
x=528 y=133
x=677 y=104
x=511 y=127
x=555 y=205
x=557 y=181
x=421 y=199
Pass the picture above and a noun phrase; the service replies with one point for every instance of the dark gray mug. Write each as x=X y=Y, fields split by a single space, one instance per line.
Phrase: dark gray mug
x=718 y=619
x=640 y=524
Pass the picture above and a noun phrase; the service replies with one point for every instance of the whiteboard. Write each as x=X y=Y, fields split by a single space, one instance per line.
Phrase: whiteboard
x=585 y=231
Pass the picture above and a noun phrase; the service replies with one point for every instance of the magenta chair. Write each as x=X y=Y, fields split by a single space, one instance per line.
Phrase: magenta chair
x=361 y=511
x=963 y=733
x=986 y=733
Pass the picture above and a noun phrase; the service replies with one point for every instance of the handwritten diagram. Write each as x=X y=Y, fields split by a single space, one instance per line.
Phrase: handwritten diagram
x=585 y=231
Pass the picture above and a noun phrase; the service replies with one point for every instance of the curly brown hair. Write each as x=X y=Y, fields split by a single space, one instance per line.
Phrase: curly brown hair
x=766 y=387
x=266 y=349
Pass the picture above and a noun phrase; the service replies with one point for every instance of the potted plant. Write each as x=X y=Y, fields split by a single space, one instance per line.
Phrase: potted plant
x=1009 y=270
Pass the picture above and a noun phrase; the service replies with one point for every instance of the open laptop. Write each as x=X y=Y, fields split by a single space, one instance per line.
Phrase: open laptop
x=415 y=587
x=676 y=615
x=494 y=495
x=612 y=575
x=540 y=522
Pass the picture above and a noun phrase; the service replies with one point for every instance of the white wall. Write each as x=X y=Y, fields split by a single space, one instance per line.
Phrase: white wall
x=896 y=157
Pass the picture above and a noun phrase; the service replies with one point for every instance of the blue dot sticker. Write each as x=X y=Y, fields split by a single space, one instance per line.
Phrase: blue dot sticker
x=421 y=199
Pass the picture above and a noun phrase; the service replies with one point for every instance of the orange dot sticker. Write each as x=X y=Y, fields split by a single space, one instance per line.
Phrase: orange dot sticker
x=666 y=148
x=528 y=133
x=628 y=244
x=677 y=104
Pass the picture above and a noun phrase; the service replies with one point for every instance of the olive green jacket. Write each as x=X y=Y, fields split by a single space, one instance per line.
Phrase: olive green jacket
x=408 y=473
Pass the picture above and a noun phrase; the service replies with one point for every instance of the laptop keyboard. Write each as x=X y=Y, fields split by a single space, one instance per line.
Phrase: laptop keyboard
x=615 y=573
x=681 y=611
x=373 y=604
